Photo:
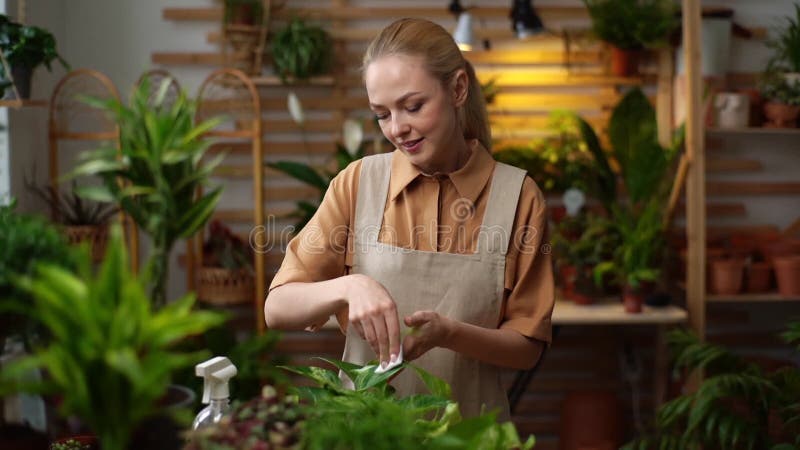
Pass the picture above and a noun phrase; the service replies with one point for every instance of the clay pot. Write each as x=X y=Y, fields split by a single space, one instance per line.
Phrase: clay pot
x=780 y=247
x=624 y=63
x=787 y=273
x=580 y=298
x=726 y=276
x=632 y=300
x=567 y=274
x=759 y=277
x=781 y=115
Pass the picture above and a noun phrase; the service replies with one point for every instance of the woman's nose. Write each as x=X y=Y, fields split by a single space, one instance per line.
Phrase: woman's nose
x=400 y=128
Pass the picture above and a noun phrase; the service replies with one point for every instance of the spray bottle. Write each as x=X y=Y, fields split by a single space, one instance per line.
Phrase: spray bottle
x=215 y=372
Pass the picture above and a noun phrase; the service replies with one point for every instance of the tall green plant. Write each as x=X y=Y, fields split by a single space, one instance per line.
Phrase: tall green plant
x=110 y=356
x=735 y=406
x=301 y=51
x=159 y=173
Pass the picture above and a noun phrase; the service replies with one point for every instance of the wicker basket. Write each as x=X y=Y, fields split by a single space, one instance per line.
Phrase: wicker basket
x=220 y=286
x=95 y=235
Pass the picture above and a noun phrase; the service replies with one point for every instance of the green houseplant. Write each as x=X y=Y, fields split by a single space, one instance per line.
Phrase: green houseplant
x=25 y=240
x=645 y=169
x=301 y=51
x=330 y=416
x=26 y=48
x=782 y=95
x=157 y=177
x=786 y=45
x=110 y=355
x=630 y=26
x=738 y=405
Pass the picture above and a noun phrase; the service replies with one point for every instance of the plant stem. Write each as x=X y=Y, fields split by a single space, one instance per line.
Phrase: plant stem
x=158 y=269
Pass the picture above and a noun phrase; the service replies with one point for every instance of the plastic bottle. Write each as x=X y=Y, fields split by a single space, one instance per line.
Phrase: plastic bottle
x=215 y=372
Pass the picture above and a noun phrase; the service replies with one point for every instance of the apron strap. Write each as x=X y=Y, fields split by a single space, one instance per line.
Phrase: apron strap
x=498 y=220
x=371 y=198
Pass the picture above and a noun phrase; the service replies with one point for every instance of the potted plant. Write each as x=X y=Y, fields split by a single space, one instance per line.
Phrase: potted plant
x=76 y=443
x=25 y=240
x=110 y=355
x=630 y=26
x=226 y=276
x=644 y=169
x=370 y=415
x=782 y=95
x=738 y=404
x=301 y=51
x=26 y=48
x=82 y=220
x=156 y=173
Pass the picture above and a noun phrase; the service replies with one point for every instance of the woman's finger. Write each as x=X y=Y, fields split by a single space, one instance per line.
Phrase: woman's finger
x=369 y=335
x=379 y=325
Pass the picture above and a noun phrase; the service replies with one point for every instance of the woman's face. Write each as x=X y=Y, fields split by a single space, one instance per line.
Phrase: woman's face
x=415 y=112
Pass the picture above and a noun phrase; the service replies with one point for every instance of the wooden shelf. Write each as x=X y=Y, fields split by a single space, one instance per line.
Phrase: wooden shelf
x=611 y=312
x=755 y=298
x=276 y=81
x=24 y=103
x=754 y=131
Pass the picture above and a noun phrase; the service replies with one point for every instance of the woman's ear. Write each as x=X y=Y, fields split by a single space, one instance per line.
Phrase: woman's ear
x=459 y=88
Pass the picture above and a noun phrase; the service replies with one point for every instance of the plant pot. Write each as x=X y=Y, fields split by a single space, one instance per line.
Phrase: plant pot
x=95 y=235
x=726 y=276
x=781 y=115
x=780 y=247
x=580 y=298
x=732 y=110
x=632 y=300
x=624 y=63
x=567 y=275
x=759 y=277
x=787 y=274
x=590 y=419
x=220 y=286
x=22 y=80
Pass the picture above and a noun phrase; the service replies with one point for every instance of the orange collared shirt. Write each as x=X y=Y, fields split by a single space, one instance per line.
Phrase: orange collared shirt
x=434 y=213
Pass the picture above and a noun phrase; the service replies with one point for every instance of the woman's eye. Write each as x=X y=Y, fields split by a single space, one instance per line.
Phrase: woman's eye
x=381 y=116
x=414 y=108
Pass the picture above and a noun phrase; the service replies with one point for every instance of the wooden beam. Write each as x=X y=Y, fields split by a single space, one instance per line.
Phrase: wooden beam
x=752 y=188
x=717 y=165
x=695 y=187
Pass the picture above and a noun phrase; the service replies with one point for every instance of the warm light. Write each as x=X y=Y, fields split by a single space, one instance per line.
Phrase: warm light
x=463 y=35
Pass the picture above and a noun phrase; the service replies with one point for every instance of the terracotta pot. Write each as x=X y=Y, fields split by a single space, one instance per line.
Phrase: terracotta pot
x=726 y=276
x=567 y=275
x=580 y=298
x=781 y=115
x=590 y=420
x=624 y=63
x=780 y=247
x=759 y=277
x=787 y=273
x=95 y=235
x=632 y=300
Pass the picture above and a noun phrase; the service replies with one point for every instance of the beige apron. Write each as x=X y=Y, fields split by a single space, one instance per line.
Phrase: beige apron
x=464 y=287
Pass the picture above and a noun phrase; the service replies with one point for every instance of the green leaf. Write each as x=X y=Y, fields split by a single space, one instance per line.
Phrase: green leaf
x=198 y=215
x=435 y=385
x=301 y=172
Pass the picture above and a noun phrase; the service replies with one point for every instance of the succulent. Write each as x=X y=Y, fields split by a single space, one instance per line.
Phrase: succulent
x=267 y=422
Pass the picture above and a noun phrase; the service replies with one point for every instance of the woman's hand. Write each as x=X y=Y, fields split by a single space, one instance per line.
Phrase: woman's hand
x=430 y=329
x=373 y=313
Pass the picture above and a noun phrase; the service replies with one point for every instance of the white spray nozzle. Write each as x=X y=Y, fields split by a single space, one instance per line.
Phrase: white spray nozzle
x=215 y=372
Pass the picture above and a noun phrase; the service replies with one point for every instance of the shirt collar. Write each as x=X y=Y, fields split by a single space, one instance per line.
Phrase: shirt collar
x=469 y=180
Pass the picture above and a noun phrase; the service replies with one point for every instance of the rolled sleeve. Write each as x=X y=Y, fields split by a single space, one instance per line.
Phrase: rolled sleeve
x=530 y=291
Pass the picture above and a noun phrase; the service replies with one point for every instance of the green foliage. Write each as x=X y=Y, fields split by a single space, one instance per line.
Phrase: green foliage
x=489 y=89
x=584 y=241
x=371 y=416
x=70 y=208
x=110 y=356
x=557 y=162
x=28 y=46
x=25 y=241
x=633 y=24
x=301 y=51
x=69 y=444
x=159 y=173
x=732 y=407
x=317 y=179
x=774 y=86
x=786 y=45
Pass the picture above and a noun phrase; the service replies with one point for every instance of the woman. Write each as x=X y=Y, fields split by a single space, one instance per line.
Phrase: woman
x=434 y=237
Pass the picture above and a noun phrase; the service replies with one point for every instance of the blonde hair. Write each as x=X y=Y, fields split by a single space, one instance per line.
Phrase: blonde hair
x=420 y=37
